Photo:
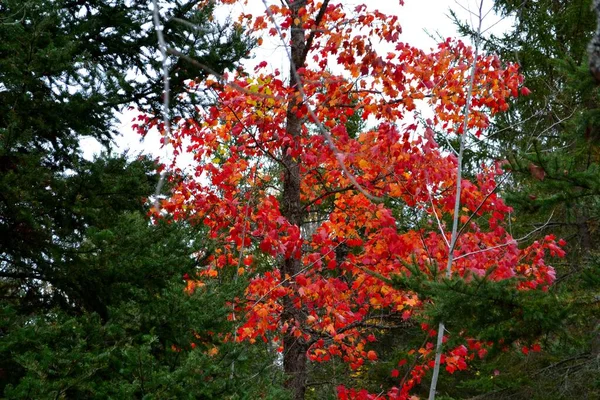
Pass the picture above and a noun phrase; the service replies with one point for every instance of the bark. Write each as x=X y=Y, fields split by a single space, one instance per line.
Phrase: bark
x=594 y=46
x=455 y=219
x=583 y=231
x=294 y=348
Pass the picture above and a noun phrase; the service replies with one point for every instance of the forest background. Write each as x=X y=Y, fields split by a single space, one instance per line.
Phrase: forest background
x=98 y=300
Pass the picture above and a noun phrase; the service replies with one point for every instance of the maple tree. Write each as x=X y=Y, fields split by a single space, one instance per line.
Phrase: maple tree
x=308 y=212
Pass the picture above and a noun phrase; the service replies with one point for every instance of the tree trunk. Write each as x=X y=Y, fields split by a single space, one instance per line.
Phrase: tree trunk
x=294 y=348
x=594 y=46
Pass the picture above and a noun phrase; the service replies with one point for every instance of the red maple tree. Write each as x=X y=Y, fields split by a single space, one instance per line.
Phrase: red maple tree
x=305 y=207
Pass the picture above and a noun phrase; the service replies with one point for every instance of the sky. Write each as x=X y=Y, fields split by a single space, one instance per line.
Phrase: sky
x=423 y=22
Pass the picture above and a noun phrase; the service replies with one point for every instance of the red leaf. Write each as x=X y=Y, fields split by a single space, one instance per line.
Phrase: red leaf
x=301 y=280
x=537 y=172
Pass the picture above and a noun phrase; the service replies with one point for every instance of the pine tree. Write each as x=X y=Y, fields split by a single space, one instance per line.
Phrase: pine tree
x=66 y=67
x=550 y=138
x=92 y=296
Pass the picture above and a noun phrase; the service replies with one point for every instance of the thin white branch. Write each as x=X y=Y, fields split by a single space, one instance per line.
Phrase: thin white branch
x=456 y=258
x=468 y=10
x=220 y=77
x=261 y=298
x=454 y=237
x=560 y=121
x=440 y=227
x=162 y=45
x=514 y=241
x=481 y=204
x=537 y=114
x=493 y=25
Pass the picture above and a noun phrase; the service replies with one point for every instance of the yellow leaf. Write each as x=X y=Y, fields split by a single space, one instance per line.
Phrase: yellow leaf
x=413 y=301
x=262 y=312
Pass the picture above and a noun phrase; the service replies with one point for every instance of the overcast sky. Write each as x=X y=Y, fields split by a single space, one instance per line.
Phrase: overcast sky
x=420 y=19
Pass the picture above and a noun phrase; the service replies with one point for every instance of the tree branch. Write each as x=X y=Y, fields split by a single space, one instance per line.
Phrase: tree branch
x=312 y=35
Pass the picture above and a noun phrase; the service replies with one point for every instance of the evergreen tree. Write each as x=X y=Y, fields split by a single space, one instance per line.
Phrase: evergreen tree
x=92 y=300
x=65 y=67
x=125 y=327
x=550 y=138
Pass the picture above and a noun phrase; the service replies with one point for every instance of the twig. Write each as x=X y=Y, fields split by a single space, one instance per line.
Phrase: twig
x=481 y=204
x=162 y=45
x=558 y=363
x=261 y=298
x=454 y=237
x=220 y=77
x=441 y=228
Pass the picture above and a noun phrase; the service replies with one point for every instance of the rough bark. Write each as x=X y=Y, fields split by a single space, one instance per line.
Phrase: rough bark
x=594 y=46
x=294 y=348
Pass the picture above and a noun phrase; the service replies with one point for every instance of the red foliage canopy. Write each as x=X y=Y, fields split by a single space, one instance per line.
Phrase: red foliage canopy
x=347 y=241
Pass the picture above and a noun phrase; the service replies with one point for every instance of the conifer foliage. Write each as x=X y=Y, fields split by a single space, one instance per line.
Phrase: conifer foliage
x=551 y=140
x=92 y=301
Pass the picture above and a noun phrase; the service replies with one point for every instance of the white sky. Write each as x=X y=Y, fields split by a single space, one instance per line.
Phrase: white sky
x=419 y=20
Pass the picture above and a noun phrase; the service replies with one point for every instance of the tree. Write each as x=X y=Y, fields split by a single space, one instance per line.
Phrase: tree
x=81 y=272
x=64 y=69
x=322 y=222
x=138 y=332
x=549 y=137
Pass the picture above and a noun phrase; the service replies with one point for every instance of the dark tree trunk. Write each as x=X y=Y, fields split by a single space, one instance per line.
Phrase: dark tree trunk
x=294 y=348
x=594 y=46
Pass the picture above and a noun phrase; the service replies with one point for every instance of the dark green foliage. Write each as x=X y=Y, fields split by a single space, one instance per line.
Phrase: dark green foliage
x=107 y=316
x=553 y=130
x=144 y=347
x=92 y=300
x=509 y=319
x=49 y=238
x=494 y=311
x=65 y=67
x=550 y=138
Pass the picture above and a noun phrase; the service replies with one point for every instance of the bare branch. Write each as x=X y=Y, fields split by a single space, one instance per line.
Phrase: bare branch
x=288 y=279
x=220 y=77
x=162 y=45
x=454 y=237
x=318 y=20
x=440 y=227
x=481 y=204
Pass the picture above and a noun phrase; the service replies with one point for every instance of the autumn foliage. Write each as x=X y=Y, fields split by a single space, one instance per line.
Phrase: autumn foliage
x=347 y=237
